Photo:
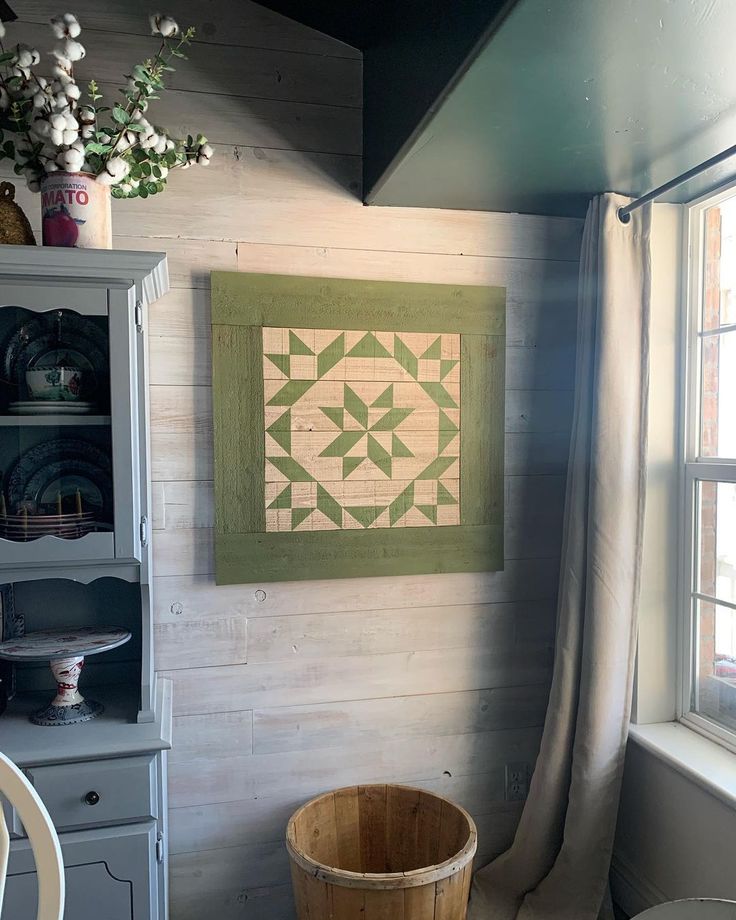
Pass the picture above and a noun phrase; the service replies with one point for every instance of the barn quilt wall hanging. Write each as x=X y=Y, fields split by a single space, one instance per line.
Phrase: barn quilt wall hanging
x=358 y=427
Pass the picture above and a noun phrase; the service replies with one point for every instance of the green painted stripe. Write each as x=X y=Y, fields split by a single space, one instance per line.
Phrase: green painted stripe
x=248 y=299
x=239 y=437
x=297 y=556
x=482 y=370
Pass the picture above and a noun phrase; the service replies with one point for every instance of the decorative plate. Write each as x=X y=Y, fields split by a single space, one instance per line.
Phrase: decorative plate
x=82 y=465
x=36 y=340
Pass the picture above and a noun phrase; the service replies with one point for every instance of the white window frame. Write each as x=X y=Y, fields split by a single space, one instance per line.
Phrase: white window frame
x=693 y=467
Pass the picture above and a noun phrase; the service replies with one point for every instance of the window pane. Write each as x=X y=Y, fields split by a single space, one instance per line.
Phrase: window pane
x=718 y=396
x=715 y=663
x=717 y=537
x=719 y=276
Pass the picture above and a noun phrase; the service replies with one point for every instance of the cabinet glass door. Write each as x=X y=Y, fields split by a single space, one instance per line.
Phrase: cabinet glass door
x=59 y=481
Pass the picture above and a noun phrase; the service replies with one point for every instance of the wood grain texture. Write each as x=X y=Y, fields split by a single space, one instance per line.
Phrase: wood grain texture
x=254 y=26
x=318 y=303
x=282 y=196
x=482 y=366
x=353 y=553
x=237 y=383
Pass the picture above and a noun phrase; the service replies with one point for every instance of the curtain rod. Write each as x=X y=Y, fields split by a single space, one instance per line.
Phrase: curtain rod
x=624 y=214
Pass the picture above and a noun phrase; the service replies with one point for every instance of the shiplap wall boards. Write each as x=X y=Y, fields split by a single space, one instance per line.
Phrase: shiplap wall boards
x=358 y=427
x=284 y=690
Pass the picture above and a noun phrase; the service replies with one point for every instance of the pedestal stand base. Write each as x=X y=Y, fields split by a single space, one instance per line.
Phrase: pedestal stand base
x=67 y=715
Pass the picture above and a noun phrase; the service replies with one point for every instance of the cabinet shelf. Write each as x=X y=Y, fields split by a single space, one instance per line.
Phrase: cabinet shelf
x=52 y=421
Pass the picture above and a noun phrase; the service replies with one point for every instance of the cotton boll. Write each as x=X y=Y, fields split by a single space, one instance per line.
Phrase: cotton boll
x=34 y=185
x=69 y=136
x=70 y=121
x=71 y=160
x=160 y=146
x=148 y=140
x=2 y=29
x=88 y=132
x=164 y=170
x=26 y=57
x=56 y=137
x=114 y=172
x=165 y=26
x=78 y=145
x=66 y=26
x=72 y=91
x=52 y=166
x=70 y=50
x=86 y=115
x=204 y=155
x=4 y=99
x=57 y=121
x=62 y=69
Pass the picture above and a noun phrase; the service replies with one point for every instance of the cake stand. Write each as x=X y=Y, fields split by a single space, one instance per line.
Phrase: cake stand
x=65 y=650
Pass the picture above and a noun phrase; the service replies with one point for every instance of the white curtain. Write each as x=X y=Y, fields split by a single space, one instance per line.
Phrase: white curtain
x=557 y=868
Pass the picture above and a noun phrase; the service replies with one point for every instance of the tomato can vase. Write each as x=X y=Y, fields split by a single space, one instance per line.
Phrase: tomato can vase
x=75 y=211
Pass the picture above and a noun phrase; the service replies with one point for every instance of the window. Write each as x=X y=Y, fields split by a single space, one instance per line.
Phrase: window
x=709 y=488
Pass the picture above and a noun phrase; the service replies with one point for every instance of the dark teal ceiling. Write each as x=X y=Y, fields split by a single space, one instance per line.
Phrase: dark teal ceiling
x=573 y=97
x=412 y=50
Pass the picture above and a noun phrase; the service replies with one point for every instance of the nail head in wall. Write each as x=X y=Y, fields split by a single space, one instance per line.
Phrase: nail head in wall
x=260 y=596
x=177 y=609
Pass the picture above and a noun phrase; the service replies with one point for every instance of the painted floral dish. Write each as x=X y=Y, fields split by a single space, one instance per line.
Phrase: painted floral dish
x=56 y=383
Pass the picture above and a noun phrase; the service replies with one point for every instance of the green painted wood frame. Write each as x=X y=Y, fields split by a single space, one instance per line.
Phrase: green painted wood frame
x=242 y=303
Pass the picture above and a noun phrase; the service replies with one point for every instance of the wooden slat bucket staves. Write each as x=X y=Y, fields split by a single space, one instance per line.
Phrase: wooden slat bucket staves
x=381 y=851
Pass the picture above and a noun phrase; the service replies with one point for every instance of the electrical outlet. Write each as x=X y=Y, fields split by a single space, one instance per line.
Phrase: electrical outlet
x=517 y=781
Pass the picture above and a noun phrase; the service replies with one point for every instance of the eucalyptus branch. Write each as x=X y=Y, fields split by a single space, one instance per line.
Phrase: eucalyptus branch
x=55 y=131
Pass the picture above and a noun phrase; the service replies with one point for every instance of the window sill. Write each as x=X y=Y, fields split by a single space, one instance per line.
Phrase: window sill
x=701 y=760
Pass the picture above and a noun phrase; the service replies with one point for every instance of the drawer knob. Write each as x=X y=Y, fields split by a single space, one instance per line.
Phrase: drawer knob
x=92 y=798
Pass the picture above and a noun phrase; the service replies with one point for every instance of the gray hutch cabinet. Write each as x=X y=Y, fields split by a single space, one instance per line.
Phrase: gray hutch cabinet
x=75 y=552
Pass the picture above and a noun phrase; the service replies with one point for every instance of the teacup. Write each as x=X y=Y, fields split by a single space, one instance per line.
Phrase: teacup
x=62 y=384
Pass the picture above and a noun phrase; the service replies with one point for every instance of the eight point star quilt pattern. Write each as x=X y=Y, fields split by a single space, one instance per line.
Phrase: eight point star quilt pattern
x=362 y=429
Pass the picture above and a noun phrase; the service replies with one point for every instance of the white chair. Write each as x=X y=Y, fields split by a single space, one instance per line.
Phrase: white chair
x=16 y=789
x=691 y=909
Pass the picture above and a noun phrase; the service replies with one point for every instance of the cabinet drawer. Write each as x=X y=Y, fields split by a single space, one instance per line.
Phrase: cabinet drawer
x=97 y=792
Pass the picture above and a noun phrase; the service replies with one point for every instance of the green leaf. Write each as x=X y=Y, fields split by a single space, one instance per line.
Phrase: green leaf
x=94 y=147
x=117 y=192
x=120 y=116
x=156 y=171
x=143 y=191
x=6 y=56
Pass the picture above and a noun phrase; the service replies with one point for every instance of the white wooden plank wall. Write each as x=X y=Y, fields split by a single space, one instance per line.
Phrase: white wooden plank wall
x=298 y=688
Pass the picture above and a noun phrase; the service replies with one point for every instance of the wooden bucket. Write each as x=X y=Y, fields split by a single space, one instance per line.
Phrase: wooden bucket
x=370 y=852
